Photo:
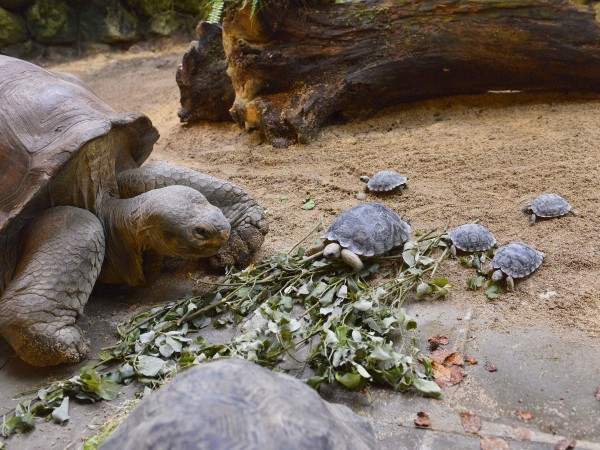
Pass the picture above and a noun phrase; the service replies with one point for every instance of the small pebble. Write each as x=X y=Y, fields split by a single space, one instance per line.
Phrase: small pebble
x=361 y=196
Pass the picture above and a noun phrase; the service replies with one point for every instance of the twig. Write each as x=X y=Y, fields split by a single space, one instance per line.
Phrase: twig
x=314 y=229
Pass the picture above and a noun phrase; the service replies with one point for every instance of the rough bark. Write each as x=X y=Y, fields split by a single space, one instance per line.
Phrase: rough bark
x=293 y=66
x=206 y=90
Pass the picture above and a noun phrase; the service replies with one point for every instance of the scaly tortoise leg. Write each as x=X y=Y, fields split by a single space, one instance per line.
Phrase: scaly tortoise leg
x=247 y=218
x=61 y=260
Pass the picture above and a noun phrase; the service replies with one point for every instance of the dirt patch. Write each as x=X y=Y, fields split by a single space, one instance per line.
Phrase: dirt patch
x=467 y=158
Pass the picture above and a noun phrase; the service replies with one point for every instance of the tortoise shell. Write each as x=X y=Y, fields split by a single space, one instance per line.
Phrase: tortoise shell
x=368 y=229
x=517 y=259
x=235 y=404
x=472 y=237
x=385 y=181
x=550 y=205
x=45 y=120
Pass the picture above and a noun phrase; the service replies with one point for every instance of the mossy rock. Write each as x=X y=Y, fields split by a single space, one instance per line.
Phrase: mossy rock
x=108 y=21
x=198 y=8
x=15 y=4
x=12 y=28
x=52 y=22
x=150 y=8
x=169 y=23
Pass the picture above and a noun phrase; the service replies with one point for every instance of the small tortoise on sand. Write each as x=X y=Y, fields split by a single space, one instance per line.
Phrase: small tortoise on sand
x=515 y=260
x=385 y=181
x=366 y=230
x=548 y=206
x=76 y=208
x=471 y=237
x=234 y=404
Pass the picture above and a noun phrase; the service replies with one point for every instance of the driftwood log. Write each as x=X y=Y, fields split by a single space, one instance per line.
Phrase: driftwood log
x=295 y=63
x=206 y=90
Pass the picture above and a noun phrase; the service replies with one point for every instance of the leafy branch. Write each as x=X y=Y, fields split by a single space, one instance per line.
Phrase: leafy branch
x=309 y=316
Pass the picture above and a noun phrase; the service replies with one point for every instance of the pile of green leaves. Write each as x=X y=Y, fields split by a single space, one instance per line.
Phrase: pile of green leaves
x=306 y=315
x=478 y=261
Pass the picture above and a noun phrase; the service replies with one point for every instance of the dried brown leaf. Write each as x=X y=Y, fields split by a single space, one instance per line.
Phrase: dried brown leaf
x=565 y=444
x=523 y=415
x=493 y=443
x=439 y=355
x=422 y=420
x=438 y=340
x=454 y=359
x=470 y=422
x=490 y=367
x=471 y=361
x=446 y=376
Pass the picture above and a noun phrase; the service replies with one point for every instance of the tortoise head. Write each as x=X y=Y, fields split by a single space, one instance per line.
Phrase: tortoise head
x=179 y=222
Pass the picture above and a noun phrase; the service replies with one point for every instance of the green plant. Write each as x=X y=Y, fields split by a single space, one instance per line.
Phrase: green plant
x=289 y=312
x=217 y=7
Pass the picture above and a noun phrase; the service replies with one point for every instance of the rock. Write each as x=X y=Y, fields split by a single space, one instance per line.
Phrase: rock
x=149 y=8
x=168 y=23
x=108 y=22
x=52 y=22
x=195 y=7
x=28 y=50
x=12 y=28
x=15 y=4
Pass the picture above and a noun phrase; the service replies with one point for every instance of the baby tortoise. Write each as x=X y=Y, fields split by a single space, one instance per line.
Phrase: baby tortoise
x=365 y=230
x=470 y=237
x=385 y=181
x=547 y=206
x=514 y=260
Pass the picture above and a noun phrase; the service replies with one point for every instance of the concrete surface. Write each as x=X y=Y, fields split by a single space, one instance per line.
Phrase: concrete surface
x=551 y=374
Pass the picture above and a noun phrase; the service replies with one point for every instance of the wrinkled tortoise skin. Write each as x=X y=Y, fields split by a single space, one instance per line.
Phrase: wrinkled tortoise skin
x=235 y=404
x=517 y=259
x=368 y=229
x=472 y=237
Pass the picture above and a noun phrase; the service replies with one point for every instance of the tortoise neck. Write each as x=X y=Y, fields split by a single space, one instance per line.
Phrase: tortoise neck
x=128 y=241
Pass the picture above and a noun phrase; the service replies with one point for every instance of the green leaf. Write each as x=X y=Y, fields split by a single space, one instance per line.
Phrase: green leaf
x=166 y=350
x=93 y=382
x=492 y=290
x=286 y=303
x=308 y=204
x=18 y=424
x=423 y=289
x=315 y=382
x=428 y=388
x=61 y=414
x=475 y=282
x=363 y=305
x=149 y=365
x=352 y=380
x=441 y=282
x=147 y=337
x=362 y=371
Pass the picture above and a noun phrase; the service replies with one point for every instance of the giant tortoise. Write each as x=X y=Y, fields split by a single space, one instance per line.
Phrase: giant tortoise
x=76 y=208
x=235 y=404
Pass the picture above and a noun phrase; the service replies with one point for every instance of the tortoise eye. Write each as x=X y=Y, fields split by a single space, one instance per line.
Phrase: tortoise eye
x=203 y=233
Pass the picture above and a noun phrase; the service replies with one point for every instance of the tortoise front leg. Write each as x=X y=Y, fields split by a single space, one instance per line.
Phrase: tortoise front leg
x=247 y=218
x=61 y=259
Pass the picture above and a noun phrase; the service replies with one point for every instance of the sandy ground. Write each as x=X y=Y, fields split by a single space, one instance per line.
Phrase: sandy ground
x=467 y=158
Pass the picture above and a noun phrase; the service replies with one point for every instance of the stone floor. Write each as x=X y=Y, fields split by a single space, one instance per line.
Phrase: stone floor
x=553 y=376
